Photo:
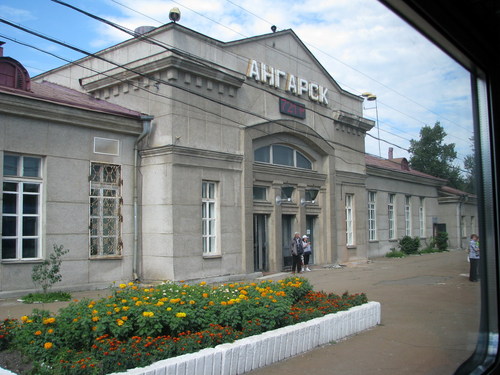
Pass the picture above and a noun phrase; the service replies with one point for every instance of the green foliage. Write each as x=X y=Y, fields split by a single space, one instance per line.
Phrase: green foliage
x=139 y=325
x=47 y=273
x=46 y=297
x=409 y=245
x=395 y=254
x=432 y=156
x=441 y=240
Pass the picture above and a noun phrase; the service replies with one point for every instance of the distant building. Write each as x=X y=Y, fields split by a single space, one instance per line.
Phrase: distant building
x=191 y=158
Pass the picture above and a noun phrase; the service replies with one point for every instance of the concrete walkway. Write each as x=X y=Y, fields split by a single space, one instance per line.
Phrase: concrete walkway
x=430 y=317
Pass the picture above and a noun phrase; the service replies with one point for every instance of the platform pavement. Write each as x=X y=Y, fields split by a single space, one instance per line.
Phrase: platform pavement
x=430 y=317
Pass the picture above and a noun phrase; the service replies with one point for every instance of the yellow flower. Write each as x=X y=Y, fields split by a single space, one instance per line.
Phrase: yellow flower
x=180 y=315
x=95 y=318
x=49 y=320
x=130 y=283
x=192 y=302
x=120 y=322
x=117 y=309
x=95 y=312
x=38 y=333
x=122 y=286
x=124 y=301
x=149 y=314
x=159 y=303
x=24 y=319
x=138 y=303
x=47 y=345
x=125 y=308
x=203 y=283
x=169 y=309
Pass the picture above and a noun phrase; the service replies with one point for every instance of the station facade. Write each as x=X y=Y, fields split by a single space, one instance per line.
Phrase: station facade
x=215 y=155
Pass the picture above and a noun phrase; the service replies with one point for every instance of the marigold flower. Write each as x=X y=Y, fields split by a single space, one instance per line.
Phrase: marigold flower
x=203 y=283
x=205 y=295
x=122 y=286
x=180 y=315
x=149 y=314
x=24 y=319
x=94 y=328
x=120 y=322
x=95 y=318
x=124 y=317
x=117 y=309
x=125 y=308
x=124 y=301
x=130 y=283
x=48 y=345
x=75 y=320
x=49 y=320
x=50 y=330
x=192 y=302
x=169 y=309
x=38 y=333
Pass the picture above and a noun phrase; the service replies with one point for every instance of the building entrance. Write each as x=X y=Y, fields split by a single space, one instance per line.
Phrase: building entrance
x=260 y=253
x=286 y=238
x=310 y=221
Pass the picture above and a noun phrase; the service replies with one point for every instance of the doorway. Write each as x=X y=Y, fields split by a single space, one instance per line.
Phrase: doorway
x=286 y=238
x=310 y=221
x=260 y=253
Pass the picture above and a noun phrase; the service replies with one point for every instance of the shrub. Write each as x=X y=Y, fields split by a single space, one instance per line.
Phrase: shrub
x=46 y=274
x=409 y=245
x=441 y=241
x=395 y=254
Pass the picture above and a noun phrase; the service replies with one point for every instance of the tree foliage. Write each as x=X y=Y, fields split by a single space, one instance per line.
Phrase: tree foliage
x=431 y=155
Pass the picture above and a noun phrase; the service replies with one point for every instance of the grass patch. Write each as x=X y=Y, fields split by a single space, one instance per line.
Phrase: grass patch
x=46 y=297
x=395 y=254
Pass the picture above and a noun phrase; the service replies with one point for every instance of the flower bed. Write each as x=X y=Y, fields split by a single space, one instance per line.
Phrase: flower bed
x=137 y=326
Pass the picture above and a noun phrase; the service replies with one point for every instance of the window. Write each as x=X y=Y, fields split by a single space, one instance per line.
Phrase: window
x=372 y=216
x=282 y=155
x=421 y=217
x=105 y=210
x=21 y=208
x=349 y=219
x=259 y=193
x=391 y=213
x=208 y=217
x=407 y=215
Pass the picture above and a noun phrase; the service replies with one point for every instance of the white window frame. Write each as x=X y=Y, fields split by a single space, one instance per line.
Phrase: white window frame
x=349 y=219
x=209 y=219
x=408 y=215
x=20 y=181
x=421 y=217
x=295 y=152
x=391 y=214
x=102 y=195
x=372 y=216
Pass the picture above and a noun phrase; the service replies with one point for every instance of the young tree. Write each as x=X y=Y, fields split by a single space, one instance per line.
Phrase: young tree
x=432 y=156
x=470 y=169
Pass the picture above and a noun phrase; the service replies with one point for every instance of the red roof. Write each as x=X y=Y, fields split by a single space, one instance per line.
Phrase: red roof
x=54 y=93
x=399 y=165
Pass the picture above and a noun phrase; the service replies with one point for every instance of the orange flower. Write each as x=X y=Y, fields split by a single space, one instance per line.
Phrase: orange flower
x=50 y=330
x=48 y=345
x=38 y=333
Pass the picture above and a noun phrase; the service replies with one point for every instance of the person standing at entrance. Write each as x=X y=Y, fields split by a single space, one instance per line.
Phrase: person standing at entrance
x=306 y=245
x=296 y=250
x=474 y=257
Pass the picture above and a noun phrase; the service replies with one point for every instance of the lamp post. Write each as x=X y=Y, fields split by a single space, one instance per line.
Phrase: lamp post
x=373 y=98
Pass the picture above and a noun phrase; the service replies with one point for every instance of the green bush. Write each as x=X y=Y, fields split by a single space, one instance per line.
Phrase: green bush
x=409 y=245
x=47 y=273
x=441 y=241
x=395 y=254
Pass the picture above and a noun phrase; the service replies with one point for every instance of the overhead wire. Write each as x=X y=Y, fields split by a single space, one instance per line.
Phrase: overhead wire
x=151 y=40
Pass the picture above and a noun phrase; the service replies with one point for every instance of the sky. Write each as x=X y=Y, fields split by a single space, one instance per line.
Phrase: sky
x=363 y=46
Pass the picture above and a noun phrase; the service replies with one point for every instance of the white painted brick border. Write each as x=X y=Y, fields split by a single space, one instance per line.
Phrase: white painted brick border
x=261 y=350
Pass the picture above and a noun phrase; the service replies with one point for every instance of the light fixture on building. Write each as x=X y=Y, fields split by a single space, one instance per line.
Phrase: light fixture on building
x=174 y=14
x=373 y=98
x=309 y=196
x=286 y=195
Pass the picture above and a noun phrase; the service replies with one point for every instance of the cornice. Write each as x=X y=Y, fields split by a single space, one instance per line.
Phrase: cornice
x=42 y=110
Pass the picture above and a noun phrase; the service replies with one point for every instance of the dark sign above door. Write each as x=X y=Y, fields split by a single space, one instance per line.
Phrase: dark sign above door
x=291 y=108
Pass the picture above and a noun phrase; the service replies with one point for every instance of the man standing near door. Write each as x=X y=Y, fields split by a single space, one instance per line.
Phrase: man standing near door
x=297 y=250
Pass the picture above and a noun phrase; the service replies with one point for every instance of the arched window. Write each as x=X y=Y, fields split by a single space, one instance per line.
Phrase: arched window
x=282 y=155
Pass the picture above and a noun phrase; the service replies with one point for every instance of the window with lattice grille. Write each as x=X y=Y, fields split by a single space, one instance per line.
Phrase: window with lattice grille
x=105 y=210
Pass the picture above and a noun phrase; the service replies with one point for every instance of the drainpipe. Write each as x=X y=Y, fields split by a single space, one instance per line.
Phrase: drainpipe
x=146 y=130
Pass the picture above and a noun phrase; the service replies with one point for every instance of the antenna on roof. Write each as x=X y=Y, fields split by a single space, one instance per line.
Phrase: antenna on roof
x=273 y=28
